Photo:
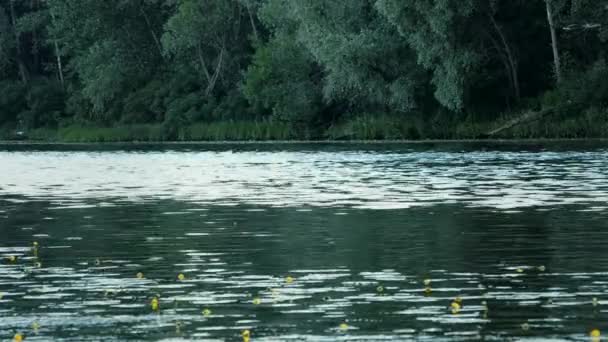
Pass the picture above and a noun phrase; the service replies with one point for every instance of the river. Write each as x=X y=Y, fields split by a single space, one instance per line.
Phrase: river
x=304 y=242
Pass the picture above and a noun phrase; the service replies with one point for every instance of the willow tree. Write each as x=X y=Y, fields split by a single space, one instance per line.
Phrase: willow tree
x=458 y=41
x=364 y=59
x=111 y=48
x=210 y=38
x=283 y=78
x=439 y=32
x=343 y=50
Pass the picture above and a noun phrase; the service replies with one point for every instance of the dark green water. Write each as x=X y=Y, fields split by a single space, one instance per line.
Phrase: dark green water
x=521 y=228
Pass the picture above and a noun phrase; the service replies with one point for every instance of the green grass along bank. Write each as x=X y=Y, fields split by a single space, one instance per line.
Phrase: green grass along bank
x=587 y=124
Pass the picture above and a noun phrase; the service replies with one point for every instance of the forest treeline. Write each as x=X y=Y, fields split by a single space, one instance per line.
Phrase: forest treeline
x=303 y=68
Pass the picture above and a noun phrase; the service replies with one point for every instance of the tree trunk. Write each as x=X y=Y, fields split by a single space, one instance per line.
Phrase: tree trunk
x=58 y=57
x=216 y=74
x=512 y=62
x=211 y=79
x=252 y=21
x=59 y=64
x=556 y=60
x=23 y=74
x=154 y=35
x=530 y=117
x=35 y=66
x=203 y=64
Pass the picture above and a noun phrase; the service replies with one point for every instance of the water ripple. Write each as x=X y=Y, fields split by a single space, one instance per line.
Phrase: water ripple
x=496 y=179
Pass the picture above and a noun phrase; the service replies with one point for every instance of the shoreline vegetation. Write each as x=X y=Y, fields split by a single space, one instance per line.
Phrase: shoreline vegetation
x=363 y=128
x=277 y=70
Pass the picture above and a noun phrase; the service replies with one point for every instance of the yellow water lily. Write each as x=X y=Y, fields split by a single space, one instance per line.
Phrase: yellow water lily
x=11 y=258
x=246 y=334
x=427 y=290
x=455 y=308
x=139 y=275
x=595 y=333
x=155 y=304
x=343 y=326
x=35 y=327
x=289 y=279
x=427 y=282
x=257 y=301
x=206 y=312
x=181 y=277
x=458 y=300
x=18 y=338
x=520 y=270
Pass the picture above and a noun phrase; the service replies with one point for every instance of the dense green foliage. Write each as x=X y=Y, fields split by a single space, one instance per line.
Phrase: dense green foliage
x=301 y=69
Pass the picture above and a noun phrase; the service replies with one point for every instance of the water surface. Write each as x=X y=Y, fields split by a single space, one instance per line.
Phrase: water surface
x=317 y=242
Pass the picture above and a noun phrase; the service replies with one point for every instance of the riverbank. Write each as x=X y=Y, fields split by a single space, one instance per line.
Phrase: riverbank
x=483 y=142
x=586 y=125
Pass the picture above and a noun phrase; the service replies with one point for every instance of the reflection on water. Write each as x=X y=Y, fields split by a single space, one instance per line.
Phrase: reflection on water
x=289 y=244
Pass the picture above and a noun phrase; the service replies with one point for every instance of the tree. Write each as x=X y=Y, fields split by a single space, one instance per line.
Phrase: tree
x=282 y=78
x=279 y=81
x=308 y=62
x=106 y=43
x=505 y=50
x=6 y=42
x=19 y=52
x=550 y=4
x=207 y=36
x=364 y=59
x=436 y=30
